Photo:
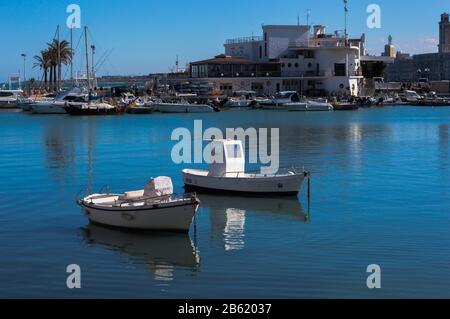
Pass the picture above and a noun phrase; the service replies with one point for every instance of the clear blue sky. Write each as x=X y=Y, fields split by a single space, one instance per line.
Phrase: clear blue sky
x=146 y=35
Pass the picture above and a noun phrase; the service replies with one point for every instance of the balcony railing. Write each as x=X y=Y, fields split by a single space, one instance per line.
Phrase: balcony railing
x=299 y=74
x=315 y=44
x=244 y=40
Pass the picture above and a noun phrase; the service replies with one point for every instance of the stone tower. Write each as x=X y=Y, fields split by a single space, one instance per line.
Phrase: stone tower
x=444 y=34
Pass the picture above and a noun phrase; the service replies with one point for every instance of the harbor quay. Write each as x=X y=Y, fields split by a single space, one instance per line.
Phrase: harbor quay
x=286 y=64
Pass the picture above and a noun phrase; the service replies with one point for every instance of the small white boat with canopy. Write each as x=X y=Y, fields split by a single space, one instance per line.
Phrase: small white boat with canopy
x=228 y=175
x=154 y=208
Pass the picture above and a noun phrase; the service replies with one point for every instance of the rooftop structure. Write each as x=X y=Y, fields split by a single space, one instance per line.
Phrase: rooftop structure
x=288 y=57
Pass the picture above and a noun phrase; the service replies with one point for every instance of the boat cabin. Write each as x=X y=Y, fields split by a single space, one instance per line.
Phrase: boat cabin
x=287 y=95
x=229 y=158
x=11 y=93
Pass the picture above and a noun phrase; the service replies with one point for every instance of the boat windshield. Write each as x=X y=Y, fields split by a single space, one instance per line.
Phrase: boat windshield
x=283 y=95
x=234 y=151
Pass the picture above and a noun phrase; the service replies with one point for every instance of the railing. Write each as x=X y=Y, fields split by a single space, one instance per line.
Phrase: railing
x=306 y=74
x=293 y=170
x=149 y=200
x=244 y=40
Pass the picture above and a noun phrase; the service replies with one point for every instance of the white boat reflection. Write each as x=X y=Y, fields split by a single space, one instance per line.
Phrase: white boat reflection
x=229 y=214
x=162 y=253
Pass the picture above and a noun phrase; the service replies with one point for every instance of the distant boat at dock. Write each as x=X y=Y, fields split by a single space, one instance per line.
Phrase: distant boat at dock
x=182 y=107
x=9 y=98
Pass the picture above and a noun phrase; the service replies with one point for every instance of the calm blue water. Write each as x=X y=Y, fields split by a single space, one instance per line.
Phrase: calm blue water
x=380 y=195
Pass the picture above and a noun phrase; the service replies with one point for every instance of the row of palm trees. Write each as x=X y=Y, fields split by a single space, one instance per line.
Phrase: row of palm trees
x=50 y=61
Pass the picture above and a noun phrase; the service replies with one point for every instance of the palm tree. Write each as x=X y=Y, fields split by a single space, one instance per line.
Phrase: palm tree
x=42 y=62
x=61 y=54
x=53 y=62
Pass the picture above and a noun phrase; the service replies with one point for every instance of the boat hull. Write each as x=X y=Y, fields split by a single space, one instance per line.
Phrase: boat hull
x=140 y=110
x=283 y=185
x=92 y=111
x=167 y=219
x=297 y=107
x=8 y=105
x=50 y=108
x=183 y=108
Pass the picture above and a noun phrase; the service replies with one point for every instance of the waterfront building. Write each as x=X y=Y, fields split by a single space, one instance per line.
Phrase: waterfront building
x=424 y=67
x=288 y=57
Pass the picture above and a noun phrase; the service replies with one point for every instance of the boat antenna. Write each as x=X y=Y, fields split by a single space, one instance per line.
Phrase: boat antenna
x=87 y=59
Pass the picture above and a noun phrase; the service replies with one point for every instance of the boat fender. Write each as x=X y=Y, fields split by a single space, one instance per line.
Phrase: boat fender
x=128 y=217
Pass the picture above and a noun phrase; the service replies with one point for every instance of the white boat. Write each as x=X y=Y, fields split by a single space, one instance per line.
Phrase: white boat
x=182 y=107
x=279 y=101
x=127 y=99
x=297 y=106
x=228 y=175
x=9 y=98
x=25 y=104
x=412 y=96
x=242 y=99
x=154 y=208
x=318 y=105
x=56 y=105
x=308 y=106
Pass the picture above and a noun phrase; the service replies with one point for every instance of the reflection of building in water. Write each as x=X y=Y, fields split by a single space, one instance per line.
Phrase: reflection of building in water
x=233 y=234
x=161 y=254
x=355 y=136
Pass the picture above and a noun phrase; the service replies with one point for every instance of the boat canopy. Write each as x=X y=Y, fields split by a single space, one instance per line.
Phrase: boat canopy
x=160 y=186
x=231 y=162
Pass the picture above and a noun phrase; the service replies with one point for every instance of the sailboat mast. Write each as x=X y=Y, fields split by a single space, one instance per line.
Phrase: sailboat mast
x=87 y=57
x=71 y=55
x=93 y=66
x=59 y=59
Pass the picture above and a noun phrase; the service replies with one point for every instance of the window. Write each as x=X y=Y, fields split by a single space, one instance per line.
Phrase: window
x=194 y=71
x=234 y=151
x=296 y=65
x=265 y=49
x=6 y=94
x=260 y=52
x=289 y=65
x=339 y=69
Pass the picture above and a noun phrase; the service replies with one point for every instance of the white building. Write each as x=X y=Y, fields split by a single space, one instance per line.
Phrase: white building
x=287 y=57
